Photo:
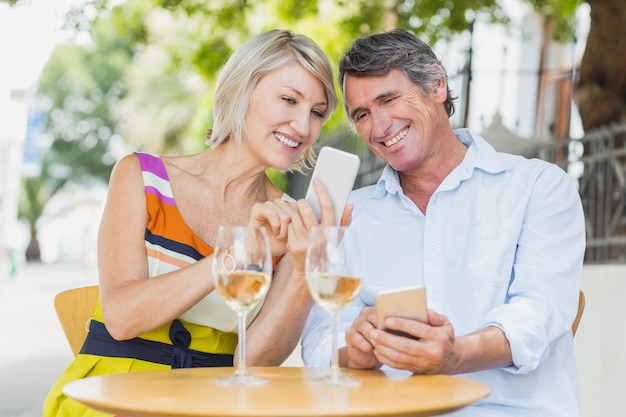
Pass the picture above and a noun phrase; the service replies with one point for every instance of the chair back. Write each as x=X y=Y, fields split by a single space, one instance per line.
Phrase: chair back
x=74 y=308
x=579 y=314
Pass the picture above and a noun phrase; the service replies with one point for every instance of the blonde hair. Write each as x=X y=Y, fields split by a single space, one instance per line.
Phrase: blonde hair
x=259 y=55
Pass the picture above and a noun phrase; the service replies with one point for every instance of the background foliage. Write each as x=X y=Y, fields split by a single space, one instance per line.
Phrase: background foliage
x=144 y=78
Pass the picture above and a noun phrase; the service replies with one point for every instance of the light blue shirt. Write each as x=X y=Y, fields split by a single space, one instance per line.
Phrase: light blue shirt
x=502 y=245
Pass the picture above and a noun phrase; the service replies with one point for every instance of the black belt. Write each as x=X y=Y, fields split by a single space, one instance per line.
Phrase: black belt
x=177 y=355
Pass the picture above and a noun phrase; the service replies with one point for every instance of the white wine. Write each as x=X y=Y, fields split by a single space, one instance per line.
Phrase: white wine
x=242 y=290
x=332 y=291
x=333 y=270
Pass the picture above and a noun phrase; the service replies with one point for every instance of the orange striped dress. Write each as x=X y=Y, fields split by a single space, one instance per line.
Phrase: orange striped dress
x=170 y=245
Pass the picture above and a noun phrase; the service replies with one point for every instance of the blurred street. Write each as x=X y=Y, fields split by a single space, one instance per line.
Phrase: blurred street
x=33 y=349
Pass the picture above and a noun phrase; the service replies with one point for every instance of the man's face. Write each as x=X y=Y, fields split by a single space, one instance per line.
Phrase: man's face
x=397 y=120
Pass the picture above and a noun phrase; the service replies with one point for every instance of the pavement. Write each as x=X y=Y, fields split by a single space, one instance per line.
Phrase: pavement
x=33 y=348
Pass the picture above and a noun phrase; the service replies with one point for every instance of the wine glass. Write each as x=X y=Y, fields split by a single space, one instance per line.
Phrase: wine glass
x=333 y=272
x=242 y=270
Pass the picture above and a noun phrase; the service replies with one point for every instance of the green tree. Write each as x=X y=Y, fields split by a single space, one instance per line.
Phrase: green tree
x=600 y=93
x=147 y=74
x=36 y=192
x=78 y=88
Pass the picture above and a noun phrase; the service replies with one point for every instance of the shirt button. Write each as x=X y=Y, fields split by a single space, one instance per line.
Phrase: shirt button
x=433 y=246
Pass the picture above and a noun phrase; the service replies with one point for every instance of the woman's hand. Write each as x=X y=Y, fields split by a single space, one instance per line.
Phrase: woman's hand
x=301 y=225
x=288 y=224
x=275 y=216
x=327 y=208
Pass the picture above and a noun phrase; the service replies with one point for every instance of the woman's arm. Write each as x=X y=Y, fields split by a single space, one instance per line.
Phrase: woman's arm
x=274 y=333
x=131 y=303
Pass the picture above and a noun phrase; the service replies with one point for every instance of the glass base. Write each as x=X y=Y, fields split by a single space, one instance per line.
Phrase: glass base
x=337 y=379
x=241 y=380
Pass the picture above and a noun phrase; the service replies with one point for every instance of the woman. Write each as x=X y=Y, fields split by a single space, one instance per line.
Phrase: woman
x=162 y=214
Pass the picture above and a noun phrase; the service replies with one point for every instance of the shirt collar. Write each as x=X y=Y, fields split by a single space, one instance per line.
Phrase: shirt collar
x=389 y=182
x=480 y=155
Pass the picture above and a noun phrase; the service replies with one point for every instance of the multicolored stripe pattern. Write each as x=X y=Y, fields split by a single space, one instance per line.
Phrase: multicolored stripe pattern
x=170 y=243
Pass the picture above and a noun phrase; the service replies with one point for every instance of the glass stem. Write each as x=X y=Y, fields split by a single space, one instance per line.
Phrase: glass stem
x=241 y=365
x=334 y=364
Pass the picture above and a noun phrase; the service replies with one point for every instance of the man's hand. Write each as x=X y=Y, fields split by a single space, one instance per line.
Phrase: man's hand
x=429 y=350
x=359 y=352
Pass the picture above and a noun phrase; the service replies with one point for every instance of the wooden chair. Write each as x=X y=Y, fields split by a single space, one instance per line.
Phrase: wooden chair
x=581 y=308
x=74 y=308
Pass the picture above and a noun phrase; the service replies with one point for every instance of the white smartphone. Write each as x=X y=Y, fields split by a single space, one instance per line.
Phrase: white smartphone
x=408 y=302
x=337 y=170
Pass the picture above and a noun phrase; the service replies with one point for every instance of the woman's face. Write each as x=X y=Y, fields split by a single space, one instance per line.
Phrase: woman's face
x=285 y=116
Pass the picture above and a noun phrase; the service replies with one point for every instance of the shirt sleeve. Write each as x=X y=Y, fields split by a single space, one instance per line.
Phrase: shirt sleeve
x=542 y=299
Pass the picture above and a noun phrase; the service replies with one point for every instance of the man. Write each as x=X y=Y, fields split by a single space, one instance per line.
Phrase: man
x=497 y=240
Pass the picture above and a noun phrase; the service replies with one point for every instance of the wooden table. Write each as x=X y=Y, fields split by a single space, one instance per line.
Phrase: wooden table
x=193 y=392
